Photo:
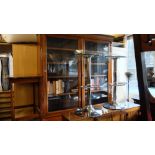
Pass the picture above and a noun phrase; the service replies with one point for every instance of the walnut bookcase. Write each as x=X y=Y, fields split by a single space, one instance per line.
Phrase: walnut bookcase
x=63 y=72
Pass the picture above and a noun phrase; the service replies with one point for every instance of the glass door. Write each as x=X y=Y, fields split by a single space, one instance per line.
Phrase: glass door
x=62 y=73
x=99 y=71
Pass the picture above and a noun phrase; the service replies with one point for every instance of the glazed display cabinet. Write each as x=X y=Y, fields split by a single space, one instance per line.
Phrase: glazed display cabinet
x=65 y=73
x=62 y=73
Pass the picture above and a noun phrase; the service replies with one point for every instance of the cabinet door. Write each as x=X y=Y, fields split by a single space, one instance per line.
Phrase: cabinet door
x=62 y=73
x=26 y=60
x=99 y=71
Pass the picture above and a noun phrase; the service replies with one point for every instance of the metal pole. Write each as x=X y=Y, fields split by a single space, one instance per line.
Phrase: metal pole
x=89 y=80
x=128 y=89
x=114 y=80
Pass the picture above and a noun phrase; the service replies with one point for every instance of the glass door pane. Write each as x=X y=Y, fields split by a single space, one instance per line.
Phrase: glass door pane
x=62 y=43
x=99 y=71
x=62 y=73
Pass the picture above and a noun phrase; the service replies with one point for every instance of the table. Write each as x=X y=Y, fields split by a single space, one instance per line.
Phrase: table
x=34 y=80
x=130 y=113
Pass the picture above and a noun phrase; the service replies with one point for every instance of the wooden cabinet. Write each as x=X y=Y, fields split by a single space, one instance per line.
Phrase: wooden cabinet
x=26 y=69
x=130 y=114
x=64 y=73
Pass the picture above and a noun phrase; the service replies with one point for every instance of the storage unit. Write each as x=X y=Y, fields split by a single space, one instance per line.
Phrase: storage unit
x=25 y=80
x=65 y=73
x=132 y=113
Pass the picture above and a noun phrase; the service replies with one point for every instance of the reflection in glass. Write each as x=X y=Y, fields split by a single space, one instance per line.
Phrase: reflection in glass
x=62 y=73
x=99 y=72
x=150 y=70
x=131 y=67
x=62 y=43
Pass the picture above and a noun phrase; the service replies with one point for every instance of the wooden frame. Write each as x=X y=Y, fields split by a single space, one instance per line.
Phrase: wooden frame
x=24 y=80
x=144 y=43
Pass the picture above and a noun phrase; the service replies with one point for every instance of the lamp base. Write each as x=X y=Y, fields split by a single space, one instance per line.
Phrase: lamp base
x=92 y=112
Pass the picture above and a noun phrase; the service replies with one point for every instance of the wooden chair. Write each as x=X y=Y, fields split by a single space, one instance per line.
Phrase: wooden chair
x=144 y=43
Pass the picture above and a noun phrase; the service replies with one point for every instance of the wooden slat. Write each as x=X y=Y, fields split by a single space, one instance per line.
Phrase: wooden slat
x=5 y=94
x=28 y=118
x=5 y=100
x=43 y=83
x=5 y=108
x=8 y=118
x=61 y=49
x=99 y=37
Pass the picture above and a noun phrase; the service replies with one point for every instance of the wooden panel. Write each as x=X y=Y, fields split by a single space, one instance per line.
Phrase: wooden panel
x=4 y=100
x=57 y=115
x=30 y=117
x=43 y=86
x=54 y=118
x=23 y=94
x=23 y=112
x=131 y=114
x=106 y=38
x=142 y=80
x=5 y=94
x=25 y=60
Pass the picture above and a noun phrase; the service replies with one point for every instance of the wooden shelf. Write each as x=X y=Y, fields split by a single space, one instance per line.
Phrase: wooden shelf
x=98 y=75
x=59 y=63
x=25 y=79
x=29 y=117
x=5 y=92
x=23 y=106
x=61 y=77
x=98 y=64
x=61 y=49
x=96 y=91
x=62 y=94
x=60 y=111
